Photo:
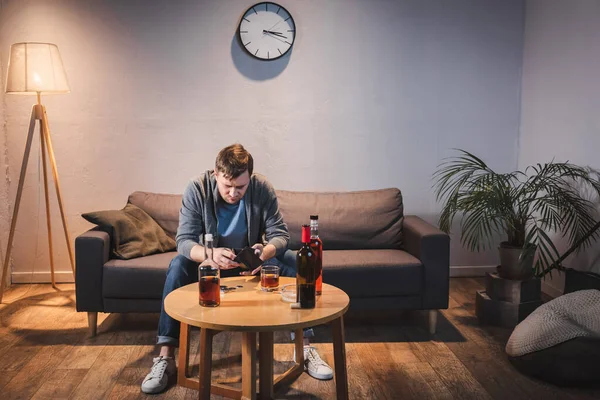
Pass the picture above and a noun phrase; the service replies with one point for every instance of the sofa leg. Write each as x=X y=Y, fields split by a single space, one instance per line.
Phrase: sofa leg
x=432 y=321
x=92 y=323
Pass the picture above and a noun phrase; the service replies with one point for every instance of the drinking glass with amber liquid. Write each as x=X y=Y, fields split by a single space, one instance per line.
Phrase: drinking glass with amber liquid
x=209 y=277
x=269 y=278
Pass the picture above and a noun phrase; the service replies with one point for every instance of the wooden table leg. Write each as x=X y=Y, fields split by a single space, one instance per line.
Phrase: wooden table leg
x=291 y=374
x=265 y=357
x=203 y=380
x=339 y=355
x=249 y=365
x=206 y=336
x=299 y=347
x=184 y=354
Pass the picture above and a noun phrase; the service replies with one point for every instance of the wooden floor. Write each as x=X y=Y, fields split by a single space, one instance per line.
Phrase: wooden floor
x=45 y=354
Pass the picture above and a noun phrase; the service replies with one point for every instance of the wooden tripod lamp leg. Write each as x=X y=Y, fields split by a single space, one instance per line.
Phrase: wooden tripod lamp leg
x=17 y=201
x=46 y=131
x=48 y=223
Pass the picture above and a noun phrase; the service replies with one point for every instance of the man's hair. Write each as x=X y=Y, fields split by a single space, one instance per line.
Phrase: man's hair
x=234 y=160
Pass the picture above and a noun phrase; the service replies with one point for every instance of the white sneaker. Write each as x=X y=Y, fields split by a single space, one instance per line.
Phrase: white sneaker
x=314 y=364
x=158 y=378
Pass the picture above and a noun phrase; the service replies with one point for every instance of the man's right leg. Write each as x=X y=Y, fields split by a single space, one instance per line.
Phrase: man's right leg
x=181 y=272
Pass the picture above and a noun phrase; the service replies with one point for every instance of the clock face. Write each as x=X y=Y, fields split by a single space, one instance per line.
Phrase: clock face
x=267 y=31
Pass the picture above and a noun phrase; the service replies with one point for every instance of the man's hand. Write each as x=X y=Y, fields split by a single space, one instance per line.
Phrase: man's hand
x=224 y=258
x=258 y=250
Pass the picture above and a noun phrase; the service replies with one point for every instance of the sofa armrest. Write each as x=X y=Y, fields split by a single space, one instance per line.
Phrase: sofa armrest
x=432 y=247
x=92 y=250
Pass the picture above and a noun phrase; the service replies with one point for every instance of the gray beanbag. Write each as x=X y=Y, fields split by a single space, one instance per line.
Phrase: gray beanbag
x=560 y=341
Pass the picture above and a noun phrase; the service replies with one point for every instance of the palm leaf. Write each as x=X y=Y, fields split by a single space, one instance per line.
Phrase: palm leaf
x=526 y=206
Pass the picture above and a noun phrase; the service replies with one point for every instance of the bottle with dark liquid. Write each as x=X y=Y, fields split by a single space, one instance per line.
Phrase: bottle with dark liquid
x=208 y=277
x=317 y=246
x=306 y=279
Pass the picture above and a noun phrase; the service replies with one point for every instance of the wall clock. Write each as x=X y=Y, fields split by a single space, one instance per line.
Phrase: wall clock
x=267 y=31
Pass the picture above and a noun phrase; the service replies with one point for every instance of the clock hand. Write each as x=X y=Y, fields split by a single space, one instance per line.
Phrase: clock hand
x=274 y=33
x=278 y=22
x=278 y=38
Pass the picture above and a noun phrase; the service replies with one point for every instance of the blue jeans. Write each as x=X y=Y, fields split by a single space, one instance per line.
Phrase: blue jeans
x=183 y=271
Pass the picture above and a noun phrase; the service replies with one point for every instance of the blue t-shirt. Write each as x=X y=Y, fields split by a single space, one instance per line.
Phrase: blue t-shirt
x=232 y=224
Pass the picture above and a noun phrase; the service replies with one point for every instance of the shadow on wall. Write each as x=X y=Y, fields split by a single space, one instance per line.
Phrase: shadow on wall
x=253 y=68
x=586 y=258
x=459 y=255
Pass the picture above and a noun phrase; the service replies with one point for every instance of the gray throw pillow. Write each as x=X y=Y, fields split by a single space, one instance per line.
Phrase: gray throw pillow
x=134 y=232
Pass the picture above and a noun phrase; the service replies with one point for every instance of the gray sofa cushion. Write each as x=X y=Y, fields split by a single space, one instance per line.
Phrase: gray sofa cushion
x=163 y=208
x=370 y=219
x=358 y=272
x=139 y=278
x=396 y=273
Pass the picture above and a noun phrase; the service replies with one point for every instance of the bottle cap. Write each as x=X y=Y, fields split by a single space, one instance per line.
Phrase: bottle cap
x=208 y=236
x=314 y=217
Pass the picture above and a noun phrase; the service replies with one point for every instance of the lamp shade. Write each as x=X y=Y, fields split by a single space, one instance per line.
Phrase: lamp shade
x=34 y=68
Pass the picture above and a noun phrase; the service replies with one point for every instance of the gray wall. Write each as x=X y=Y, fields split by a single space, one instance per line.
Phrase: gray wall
x=561 y=93
x=374 y=95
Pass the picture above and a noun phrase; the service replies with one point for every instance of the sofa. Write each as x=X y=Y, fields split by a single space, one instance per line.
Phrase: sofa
x=381 y=258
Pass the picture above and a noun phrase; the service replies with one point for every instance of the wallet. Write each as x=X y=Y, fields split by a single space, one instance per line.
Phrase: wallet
x=248 y=259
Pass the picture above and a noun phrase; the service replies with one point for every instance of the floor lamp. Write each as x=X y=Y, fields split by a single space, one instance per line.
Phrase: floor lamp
x=36 y=68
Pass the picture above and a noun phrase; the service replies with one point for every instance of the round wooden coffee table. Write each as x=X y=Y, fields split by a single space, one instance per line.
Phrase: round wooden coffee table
x=249 y=310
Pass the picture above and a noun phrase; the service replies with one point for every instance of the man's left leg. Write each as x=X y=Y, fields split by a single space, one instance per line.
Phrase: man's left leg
x=313 y=363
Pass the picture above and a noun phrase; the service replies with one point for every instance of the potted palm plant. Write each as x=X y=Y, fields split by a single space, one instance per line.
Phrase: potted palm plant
x=525 y=206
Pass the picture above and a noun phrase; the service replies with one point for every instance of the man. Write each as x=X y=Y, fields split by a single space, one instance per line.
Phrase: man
x=237 y=207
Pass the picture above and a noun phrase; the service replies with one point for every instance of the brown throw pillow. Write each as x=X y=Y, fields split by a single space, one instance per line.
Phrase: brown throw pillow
x=135 y=233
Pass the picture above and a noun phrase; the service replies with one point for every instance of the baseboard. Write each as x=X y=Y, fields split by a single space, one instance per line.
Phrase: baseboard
x=42 y=277
x=470 y=270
